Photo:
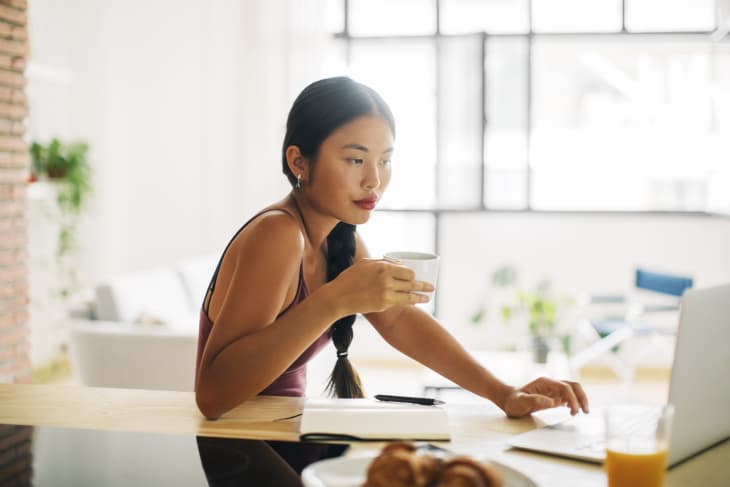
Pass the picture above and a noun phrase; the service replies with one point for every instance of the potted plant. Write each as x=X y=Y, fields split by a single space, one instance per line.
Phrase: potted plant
x=539 y=309
x=65 y=165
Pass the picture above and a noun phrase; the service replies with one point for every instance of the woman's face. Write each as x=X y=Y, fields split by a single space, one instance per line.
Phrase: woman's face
x=352 y=170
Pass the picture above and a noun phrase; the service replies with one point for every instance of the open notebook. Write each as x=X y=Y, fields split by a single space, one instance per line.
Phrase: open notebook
x=368 y=419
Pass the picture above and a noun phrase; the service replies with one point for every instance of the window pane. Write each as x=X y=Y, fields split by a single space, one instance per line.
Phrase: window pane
x=719 y=189
x=334 y=62
x=403 y=72
x=506 y=189
x=460 y=122
x=718 y=197
x=335 y=16
x=576 y=15
x=621 y=125
x=721 y=86
x=506 y=134
x=670 y=15
x=494 y=16
x=392 y=17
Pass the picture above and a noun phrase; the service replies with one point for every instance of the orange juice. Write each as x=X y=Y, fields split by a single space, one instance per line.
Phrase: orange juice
x=635 y=469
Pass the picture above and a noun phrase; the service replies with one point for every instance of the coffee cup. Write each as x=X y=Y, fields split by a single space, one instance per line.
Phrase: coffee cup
x=424 y=264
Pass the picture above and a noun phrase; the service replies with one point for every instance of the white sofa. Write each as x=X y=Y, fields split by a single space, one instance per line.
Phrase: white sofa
x=141 y=330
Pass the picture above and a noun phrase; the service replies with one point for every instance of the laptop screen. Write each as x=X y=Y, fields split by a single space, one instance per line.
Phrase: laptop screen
x=700 y=389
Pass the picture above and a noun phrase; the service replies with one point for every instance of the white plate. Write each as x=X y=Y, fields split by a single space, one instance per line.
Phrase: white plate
x=351 y=472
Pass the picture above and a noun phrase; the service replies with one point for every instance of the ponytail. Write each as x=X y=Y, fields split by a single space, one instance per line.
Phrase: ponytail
x=344 y=380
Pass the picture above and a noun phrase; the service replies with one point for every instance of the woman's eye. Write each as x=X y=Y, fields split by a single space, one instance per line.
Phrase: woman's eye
x=355 y=161
x=385 y=162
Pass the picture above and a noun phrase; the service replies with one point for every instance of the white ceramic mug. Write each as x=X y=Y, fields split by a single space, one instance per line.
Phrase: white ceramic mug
x=425 y=265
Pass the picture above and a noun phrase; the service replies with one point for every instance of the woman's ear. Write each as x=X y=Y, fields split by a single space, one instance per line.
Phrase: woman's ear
x=298 y=164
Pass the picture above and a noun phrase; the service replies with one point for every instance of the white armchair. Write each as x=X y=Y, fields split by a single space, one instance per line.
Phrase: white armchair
x=128 y=355
x=145 y=331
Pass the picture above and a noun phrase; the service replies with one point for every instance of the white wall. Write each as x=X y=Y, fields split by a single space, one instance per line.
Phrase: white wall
x=183 y=103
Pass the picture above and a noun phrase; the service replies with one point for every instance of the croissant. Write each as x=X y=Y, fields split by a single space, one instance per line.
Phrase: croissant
x=466 y=472
x=400 y=465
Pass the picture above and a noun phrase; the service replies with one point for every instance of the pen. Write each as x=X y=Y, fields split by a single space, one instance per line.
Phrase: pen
x=424 y=401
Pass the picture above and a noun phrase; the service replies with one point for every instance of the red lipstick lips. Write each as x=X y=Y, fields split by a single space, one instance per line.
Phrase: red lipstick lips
x=366 y=203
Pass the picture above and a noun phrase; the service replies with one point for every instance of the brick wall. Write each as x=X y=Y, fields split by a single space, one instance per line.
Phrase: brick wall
x=14 y=163
x=15 y=441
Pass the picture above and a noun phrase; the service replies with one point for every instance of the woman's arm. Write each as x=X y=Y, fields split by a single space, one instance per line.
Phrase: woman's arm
x=418 y=335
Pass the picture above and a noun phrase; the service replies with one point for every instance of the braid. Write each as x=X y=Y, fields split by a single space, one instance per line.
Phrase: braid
x=344 y=381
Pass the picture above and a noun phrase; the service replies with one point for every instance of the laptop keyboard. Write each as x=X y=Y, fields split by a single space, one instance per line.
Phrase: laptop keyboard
x=594 y=446
x=640 y=423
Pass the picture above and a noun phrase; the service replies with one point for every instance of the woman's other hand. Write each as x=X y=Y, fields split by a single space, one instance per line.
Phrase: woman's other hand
x=544 y=393
x=372 y=285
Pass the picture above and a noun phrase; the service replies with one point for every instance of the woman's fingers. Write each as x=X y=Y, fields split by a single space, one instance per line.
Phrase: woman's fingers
x=404 y=278
x=562 y=392
x=405 y=298
x=424 y=286
x=566 y=396
x=573 y=396
x=573 y=403
x=398 y=282
x=399 y=271
x=415 y=298
x=558 y=393
x=580 y=394
x=411 y=286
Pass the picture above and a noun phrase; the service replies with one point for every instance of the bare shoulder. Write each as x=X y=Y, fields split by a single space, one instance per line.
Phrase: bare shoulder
x=271 y=244
x=261 y=266
x=274 y=232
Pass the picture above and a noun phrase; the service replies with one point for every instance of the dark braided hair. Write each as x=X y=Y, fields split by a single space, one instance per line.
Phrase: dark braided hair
x=344 y=380
x=319 y=110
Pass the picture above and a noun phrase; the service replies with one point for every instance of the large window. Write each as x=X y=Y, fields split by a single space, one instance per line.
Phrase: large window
x=545 y=105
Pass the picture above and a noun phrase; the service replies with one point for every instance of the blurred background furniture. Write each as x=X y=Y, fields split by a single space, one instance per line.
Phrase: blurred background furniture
x=649 y=312
x=141 y=329
x=133 y=356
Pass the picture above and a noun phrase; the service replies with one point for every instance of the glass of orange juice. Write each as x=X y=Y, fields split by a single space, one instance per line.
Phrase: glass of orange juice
x=637 y=441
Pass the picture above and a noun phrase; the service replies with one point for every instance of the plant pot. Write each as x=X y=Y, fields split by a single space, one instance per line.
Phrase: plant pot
x=540 y=349
x=56 y=173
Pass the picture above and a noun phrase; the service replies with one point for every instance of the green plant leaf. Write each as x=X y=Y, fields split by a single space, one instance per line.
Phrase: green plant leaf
x=506 y=313
x=504 y=276
x=67 y=164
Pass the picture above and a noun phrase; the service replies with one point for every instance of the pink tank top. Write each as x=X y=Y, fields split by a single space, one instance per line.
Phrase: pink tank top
x=294 y=379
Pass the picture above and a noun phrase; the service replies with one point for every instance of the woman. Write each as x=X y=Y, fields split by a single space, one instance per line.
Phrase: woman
x=297 y=273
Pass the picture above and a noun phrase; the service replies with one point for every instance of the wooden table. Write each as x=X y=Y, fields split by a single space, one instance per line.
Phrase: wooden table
x=475 y=430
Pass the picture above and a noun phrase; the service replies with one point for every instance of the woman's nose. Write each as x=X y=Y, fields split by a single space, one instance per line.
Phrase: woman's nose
x=371 y=178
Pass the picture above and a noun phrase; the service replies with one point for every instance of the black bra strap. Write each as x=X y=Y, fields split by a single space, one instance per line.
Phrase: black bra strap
x=211 y=286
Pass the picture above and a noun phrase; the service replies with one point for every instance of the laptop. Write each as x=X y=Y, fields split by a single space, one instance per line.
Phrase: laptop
x=699 y=389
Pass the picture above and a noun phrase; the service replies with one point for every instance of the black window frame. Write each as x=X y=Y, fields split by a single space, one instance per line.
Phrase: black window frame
x=531 y=35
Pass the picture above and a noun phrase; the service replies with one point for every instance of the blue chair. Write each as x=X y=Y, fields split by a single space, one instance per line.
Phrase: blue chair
x=662 y=283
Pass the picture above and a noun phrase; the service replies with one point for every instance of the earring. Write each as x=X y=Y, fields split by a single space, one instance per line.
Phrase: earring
x=299 y=181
